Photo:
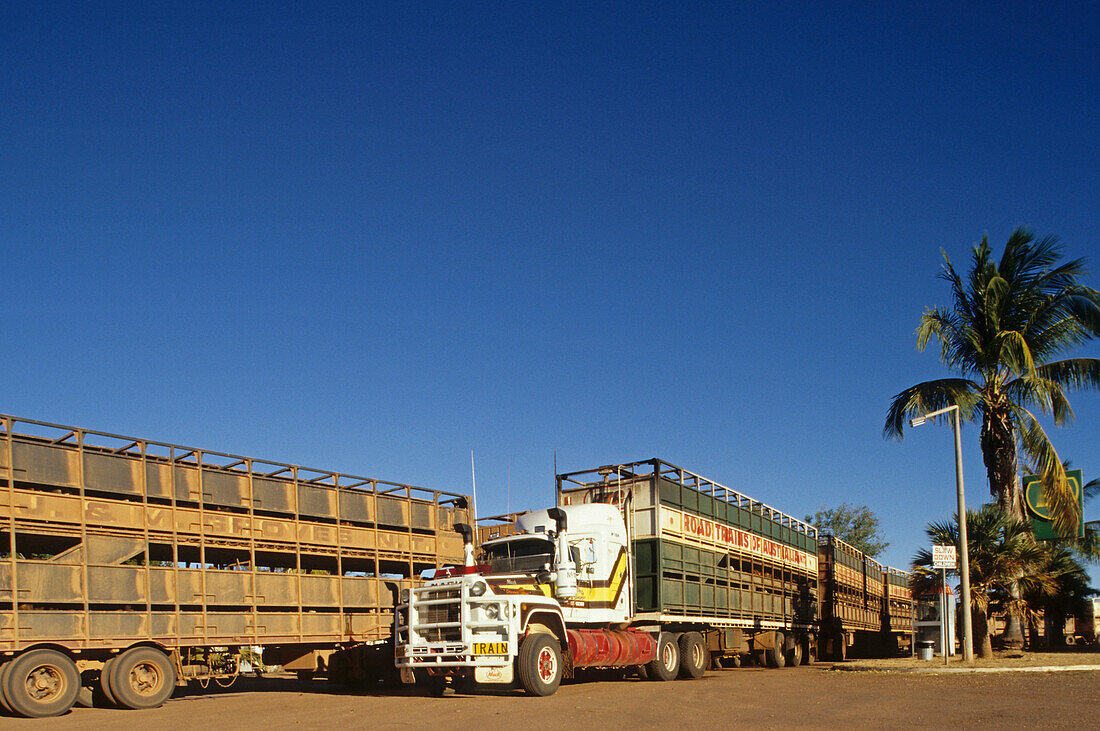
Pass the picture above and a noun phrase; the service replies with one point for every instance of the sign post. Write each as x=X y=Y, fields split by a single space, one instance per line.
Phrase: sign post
x=944 y=558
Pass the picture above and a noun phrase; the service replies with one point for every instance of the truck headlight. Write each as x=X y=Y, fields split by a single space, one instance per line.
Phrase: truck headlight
x=492 y=611
x=478 y=588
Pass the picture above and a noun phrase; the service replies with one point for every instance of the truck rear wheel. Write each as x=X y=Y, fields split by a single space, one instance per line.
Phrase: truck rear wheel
x=142 y=677
x=539 y=664
x=41 y=683
x=667 y=663
x=693 y=655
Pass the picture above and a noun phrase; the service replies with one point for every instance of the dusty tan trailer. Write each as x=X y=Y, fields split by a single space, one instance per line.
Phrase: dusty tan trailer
x=129 y=566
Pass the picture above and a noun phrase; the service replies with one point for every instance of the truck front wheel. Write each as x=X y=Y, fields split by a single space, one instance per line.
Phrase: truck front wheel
x=539 y=664
x=693 y=655
x=667 y=663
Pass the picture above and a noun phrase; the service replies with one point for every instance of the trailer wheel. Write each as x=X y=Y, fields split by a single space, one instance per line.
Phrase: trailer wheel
x=693 y=655
x=794 y=654
x=667 y=663
x=808 y=651
x=91 y=694
x=539 y=664
x=105 y=682
x=774 y=656
x=41 y=683
x=142 y=677
x=840 y=647
x=4 y=696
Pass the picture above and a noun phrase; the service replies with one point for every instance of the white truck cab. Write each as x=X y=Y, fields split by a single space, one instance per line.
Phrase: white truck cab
x=523 y=608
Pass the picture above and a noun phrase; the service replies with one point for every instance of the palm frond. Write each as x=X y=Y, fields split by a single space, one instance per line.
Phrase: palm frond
x=1077 y=373
x=1083 y=304
x=1014 y=352
x=927 y=397
x=1064 y=510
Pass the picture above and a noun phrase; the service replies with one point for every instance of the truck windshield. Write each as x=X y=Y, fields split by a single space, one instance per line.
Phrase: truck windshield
x=525 y=555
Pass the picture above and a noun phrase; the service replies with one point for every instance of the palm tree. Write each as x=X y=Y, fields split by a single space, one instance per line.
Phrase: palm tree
x=1072 y=592
x=1008 y=322
x=1006 y=564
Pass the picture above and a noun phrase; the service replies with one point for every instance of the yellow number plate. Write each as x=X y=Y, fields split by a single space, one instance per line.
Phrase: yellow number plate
x=490 y=648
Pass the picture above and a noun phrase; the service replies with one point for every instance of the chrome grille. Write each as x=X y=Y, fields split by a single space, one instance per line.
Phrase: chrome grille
x=441 y=634
x=436 y=613
x=446 y=612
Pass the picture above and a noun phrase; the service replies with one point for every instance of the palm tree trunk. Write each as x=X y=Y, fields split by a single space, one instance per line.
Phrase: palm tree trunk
x=1013 y=638
x=983 y=643
x=1001 y=467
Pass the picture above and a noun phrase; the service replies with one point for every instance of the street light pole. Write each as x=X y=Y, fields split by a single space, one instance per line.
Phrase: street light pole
x=964 y=552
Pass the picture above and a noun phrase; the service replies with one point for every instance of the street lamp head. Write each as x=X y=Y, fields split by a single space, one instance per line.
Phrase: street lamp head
x=917 y=421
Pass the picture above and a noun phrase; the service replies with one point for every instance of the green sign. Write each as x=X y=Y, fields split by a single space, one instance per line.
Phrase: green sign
x=1039 y=510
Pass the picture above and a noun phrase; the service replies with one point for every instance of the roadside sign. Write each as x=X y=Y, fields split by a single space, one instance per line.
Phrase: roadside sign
x=943 y=557
x=1039 y=510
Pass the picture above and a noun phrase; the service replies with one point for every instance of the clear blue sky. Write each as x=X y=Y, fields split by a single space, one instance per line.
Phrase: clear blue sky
x=374 y=237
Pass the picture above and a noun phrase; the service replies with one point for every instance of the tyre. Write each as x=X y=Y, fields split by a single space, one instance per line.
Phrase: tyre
x=808 y=653
x=105 y=683
x=667 y=662
x=142 y=677
x=539 y=665
x=693 y=655
x=793 y=655
x=3 y=696
x=89 y=695
x=775 y=656
x=41 y=683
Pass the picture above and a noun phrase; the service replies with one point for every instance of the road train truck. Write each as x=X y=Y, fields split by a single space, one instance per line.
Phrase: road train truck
x=642 y=567
x=128 y=567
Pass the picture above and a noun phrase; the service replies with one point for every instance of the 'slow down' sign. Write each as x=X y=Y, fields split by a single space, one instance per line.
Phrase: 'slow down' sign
x=943 y=557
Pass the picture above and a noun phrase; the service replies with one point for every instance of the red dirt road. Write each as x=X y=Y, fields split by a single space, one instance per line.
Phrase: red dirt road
x=802 y=697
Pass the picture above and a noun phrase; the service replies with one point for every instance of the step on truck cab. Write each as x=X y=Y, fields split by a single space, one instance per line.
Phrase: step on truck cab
x=641 y=566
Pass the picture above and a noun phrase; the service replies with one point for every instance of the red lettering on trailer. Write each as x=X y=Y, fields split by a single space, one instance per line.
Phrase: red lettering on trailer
x=728 y=536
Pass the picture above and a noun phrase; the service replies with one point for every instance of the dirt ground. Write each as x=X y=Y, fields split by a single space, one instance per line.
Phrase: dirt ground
x=806 y=697
x=1000 y=659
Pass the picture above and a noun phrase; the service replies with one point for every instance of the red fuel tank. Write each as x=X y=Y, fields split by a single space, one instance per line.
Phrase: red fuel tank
x=603 y=648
